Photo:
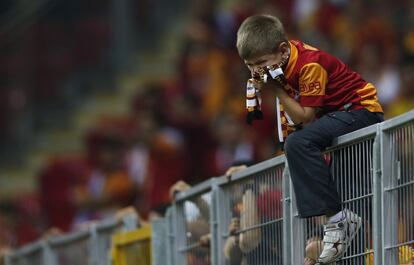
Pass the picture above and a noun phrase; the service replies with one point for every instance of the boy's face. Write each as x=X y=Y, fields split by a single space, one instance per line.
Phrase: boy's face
x=254 y=64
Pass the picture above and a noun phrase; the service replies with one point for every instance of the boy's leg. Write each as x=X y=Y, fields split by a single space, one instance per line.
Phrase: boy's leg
x=314 y=188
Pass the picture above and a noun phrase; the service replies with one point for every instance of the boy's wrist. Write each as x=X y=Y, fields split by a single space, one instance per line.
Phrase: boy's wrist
x=280 y=92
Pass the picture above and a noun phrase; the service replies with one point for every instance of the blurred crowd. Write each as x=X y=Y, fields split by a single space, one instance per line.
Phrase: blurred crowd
x=192 y=126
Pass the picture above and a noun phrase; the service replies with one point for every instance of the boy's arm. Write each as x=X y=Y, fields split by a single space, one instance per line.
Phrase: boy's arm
x=298 y=113
x=312 y=81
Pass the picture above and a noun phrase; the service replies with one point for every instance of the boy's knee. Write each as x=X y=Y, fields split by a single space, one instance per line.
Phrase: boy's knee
x=293 y=143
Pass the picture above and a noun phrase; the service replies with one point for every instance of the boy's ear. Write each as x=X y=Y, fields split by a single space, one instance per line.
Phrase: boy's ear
x=284 y=47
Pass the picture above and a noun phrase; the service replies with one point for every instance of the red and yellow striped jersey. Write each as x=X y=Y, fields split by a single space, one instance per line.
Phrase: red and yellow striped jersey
x=323 y=81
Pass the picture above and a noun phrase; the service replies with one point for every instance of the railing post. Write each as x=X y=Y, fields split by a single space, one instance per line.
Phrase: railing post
x=180 y=233
x=214 y=235
x=287 y=218
x=158 y=243
x=377 y=198
x=94 y=246
x=49 y=258
x=223 y=211
x=297 y=244
x=130 y=222
x=389 y=218
x=170 y=237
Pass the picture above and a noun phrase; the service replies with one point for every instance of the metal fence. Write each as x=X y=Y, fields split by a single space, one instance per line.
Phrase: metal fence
x=90 y=246
x=251 y=219
x=193 y=220
x=250 y=214
x=397 y=157
x=351 y=160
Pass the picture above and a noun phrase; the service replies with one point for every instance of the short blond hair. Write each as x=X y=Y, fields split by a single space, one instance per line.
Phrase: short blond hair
x=259 y=35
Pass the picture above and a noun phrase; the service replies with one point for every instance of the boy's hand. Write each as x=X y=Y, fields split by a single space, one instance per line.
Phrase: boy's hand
x=270 y=76
x=277 y=75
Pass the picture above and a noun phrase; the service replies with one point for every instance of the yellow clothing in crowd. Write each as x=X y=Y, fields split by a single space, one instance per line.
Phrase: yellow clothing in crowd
x=405 y=256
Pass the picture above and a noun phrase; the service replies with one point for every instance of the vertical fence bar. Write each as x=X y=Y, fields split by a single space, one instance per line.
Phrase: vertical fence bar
x=287 y=218
x=94 y=246
x=223 y=210
x=49 y=257
x=180 y=233
x=214 y=235
x=377 y=198
x=159 y=244
x=389 y=199
x=297 y=247
x=170 y=236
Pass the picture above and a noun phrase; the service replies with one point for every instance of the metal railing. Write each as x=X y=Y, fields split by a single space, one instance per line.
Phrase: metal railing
x=373 y=169
x=89 y=246
x=252 y=217
x=397 y=159
x=193 y=219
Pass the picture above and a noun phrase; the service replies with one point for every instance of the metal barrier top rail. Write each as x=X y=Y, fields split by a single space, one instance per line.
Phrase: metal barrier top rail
x=200 y=188
x=273 y=162
x=398 y=121
x=42 y=245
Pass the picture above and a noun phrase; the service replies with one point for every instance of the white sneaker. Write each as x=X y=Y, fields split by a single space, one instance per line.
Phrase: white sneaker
x=337 y=237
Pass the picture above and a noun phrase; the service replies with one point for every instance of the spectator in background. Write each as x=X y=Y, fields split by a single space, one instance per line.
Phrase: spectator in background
x=157 y=156
x=21 y=219
x=233 y=145
x=57 y=184
x=404 y=100
x=197 y=216
x=260 y=203
x=108 y=186
x=384 y=75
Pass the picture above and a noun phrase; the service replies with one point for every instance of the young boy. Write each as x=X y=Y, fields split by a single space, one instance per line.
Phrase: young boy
x=319 y=98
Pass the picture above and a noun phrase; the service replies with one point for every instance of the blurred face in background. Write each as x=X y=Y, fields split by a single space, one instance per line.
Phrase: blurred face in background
x=147 y=126
x=229 y=131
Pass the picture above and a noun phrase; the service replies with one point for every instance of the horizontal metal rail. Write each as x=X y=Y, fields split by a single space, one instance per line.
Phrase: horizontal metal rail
x=399 y=245
x=253 y=227
x=400 y=186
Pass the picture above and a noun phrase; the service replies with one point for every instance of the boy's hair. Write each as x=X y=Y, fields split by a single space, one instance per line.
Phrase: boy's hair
x=259 y=35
